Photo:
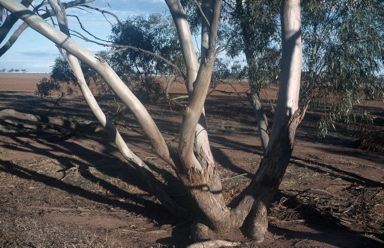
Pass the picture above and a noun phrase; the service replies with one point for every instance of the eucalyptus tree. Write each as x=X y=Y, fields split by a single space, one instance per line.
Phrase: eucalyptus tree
x=252 y=29
x=344 y=46
x=155 y=34
x=62 y=72
x=192 y=160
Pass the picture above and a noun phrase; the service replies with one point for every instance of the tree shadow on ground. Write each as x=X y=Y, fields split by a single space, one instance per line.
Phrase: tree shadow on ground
x=72 y=155
x=330 y=235
x=327 y=228
x=334 y=172
x=114 y=167
x=220 y=143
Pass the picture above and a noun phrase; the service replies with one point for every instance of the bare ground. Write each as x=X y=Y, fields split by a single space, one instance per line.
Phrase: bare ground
x=71 y=189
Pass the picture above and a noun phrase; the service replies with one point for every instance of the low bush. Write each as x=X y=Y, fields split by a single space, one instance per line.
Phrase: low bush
x=47 y=86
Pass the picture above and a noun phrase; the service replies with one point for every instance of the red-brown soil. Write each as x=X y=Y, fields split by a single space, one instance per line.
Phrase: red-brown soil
x=60 y=189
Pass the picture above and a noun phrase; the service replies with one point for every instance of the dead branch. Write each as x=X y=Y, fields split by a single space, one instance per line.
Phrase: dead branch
x=214 y=243
x=103 y=12
x=84 y=29
x=119 y=48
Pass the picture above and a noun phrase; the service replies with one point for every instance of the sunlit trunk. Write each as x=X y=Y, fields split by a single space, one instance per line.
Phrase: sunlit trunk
x=287 y=117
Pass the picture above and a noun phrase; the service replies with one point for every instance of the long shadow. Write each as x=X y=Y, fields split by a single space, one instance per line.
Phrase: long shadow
x=329 y=235
x=224 y=160
x=131 y=177
x=326 y=226
x=16 y=170
x=370 y=156
x=335 y=172
x=107 y=165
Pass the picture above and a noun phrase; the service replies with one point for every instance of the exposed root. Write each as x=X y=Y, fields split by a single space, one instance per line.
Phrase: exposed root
x=214 y=243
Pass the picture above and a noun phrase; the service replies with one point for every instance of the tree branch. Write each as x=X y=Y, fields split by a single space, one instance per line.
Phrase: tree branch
x=10 y=21
x=138 y=164
x=103 y=12
x=4 y=29
x=85 y=30
x=202 y=12
x=100 y=66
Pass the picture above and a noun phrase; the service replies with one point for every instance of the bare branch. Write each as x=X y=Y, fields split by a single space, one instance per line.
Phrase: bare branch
x=196 y=105
x=138 y=164
x=119 y=48
x=185 y=38
x=99 y=65
x=214 y=27
x=105 y=12
x=11 y=20
x=13 y=39
x=76 y=3
x=85 y=30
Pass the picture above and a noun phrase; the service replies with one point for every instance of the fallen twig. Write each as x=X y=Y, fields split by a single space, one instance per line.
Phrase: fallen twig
x=214 y=243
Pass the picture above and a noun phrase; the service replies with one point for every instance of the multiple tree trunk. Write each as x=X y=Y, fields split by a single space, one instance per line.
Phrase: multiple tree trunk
x=192 y=160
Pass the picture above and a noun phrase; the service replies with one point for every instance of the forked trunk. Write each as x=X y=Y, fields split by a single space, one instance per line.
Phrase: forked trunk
x=287 y=117
x=250 y=208
x=193 y=161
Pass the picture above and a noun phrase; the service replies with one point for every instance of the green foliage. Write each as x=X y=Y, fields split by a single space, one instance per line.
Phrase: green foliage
x=252 y=28
x=156 y=34
x=62 y=72
x=325 y=123
x=342 y=50
x=343 y=46
x=46 y=87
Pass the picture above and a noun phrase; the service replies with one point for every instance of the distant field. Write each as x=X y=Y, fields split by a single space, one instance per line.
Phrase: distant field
x=25 y=82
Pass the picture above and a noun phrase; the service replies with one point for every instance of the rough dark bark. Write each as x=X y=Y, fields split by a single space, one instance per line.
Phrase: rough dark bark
x=261 y=118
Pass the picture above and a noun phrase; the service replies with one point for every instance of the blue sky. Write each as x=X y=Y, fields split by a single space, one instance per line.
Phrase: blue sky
x=35 y=53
